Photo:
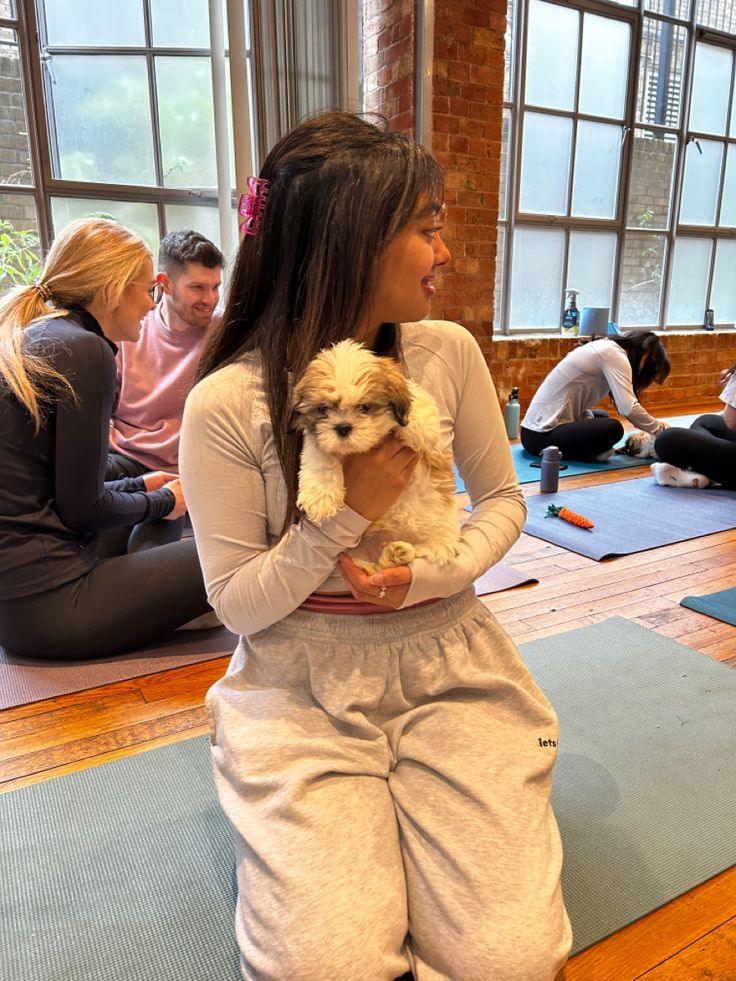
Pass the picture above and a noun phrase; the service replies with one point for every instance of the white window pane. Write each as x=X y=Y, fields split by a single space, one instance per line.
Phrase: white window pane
x=15 y=154
x=187 y=122
x=139 y=217
x=509 y=68
x=181 y=24
x=597 y=165
x=652 y=168
x=701 y=183
x=536 y=278
x=498 y=284
x=605 y=66
x=722 y=15
x=7 y=8
x=103 y=119
x=728 y=203
x=204 y=220
x=590 y=267
x=711 y=87
x=20 y=251
x=545 y=164
x=661 y=66
x=641 y=280
x=550 y=77
x=723 y=293
x=689 y=281
x=504 y=178
x=95 y=22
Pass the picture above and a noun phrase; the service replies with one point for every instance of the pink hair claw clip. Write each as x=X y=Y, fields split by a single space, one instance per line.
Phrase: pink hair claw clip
x=251 y=205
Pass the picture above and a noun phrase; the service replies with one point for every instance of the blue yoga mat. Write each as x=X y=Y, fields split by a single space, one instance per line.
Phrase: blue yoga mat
x=631 y=516
x=527 y=473
x=720 y=605
x=124 y=872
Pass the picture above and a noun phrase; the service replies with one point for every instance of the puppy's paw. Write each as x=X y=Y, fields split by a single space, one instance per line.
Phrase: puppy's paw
x=440 y=554
x=396 y=553
x=320 y=501
x=367 y=567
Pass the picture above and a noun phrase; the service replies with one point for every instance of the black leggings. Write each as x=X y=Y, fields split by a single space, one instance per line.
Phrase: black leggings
x=708 y=447
x=124 y=603
x=582 y=440
x=147 y=534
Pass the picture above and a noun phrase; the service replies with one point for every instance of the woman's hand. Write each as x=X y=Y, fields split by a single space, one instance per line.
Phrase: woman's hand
x=375 y=480
x=388 y=587
x=157 y=479
x=180 y=507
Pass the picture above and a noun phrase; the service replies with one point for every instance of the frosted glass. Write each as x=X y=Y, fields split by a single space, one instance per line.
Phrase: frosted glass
x=536 y=278
x=181 y=24
x=673 y=8
x=7 y=8
x=597 y=166
x=605 y=66
x=545 y=164
x=689 y=281
x=641 y=280
x=95 y=22
x=498 y=284
x=711 y=88
x=504 y=178
x=187 y=122
x=723 y=292
x=140 y=217
x=650 y=189
x=103 y=119
x=202 y=219
x=701 y=183
x=551 y=55
x=590 y=266
x=728 y=202
x=509 y=67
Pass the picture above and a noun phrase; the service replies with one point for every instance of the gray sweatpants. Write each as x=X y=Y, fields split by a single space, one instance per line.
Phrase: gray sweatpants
x=388 y=779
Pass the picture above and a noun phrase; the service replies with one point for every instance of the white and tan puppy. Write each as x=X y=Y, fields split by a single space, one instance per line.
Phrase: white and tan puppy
x=639 y=445
x=348 y=401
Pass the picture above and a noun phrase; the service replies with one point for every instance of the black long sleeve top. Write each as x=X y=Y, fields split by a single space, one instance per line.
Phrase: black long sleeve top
x=54 y=500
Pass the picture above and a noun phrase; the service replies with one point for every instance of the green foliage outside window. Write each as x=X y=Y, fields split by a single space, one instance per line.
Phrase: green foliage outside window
x=20 y=262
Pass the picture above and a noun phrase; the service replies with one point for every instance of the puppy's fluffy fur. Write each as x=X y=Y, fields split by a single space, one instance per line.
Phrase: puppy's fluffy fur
x=348 y=401
x=640 y=445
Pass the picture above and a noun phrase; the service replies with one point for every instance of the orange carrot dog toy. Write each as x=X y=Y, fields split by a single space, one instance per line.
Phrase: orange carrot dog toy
x=567 y=515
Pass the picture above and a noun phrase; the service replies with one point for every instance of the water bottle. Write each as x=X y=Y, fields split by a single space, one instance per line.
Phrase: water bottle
x=513 y=410
x=550 y=480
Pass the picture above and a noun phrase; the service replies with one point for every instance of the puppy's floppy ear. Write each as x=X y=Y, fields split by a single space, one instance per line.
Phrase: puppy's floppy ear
x=396 y=391
x=296 y=420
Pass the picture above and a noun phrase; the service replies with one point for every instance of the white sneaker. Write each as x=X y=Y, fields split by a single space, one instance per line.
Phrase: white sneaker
x=206 y=622
x=668 y=476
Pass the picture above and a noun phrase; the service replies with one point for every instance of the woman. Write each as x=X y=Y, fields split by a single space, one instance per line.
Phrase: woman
x=561 y=413
x=704 y=453
x=58 y=598
x=375 y=741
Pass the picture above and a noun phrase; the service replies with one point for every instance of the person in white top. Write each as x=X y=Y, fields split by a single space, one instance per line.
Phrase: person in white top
x=562 y=412
x=706 y=452
x=386 y=759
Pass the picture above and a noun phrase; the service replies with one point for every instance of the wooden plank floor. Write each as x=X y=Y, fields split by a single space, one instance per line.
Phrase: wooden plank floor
x=692 y=938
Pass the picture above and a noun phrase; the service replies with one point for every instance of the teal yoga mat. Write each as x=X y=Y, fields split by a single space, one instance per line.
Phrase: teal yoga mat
x=124 y=872
x=720 y=605
x=631 y=516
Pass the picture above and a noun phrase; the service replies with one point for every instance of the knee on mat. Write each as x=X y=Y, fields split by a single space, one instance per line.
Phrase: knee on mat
x=538 y=957
x=664 y=442
x=319 y=958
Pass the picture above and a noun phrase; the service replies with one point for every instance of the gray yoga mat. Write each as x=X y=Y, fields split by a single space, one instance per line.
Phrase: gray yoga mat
x=23 y=680
x=124 y=872
x=631 y=516
x=500 y=577
x=720 y=605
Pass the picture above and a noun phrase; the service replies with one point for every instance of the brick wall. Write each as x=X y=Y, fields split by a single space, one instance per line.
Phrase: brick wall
x=389 y=61
x=696 y=358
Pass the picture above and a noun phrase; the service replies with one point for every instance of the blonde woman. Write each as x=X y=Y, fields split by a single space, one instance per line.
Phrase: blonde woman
x=58 y=597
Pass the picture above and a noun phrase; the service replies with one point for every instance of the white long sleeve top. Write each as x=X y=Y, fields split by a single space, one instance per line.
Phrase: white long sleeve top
x=236 y=495
x=585 y=376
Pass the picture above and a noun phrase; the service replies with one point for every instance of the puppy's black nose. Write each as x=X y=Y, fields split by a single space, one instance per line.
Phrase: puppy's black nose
x=343 y=429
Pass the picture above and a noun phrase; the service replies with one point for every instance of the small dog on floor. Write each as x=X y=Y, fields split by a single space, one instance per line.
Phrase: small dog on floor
x=348 y=401
x=640 y=445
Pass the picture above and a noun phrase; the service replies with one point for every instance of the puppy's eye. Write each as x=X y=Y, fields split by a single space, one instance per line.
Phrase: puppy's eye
x=321 y=410
x=366 y=407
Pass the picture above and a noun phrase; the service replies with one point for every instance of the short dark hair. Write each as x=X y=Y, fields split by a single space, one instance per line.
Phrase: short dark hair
x=179 y=248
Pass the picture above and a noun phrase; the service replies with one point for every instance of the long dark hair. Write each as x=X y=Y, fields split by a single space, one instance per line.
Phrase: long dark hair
x=656 y=367
x=341 y=188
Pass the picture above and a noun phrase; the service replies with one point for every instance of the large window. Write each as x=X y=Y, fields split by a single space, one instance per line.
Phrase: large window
x=618 y=172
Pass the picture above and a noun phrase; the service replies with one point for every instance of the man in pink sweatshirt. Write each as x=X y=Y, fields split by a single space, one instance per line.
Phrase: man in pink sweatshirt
x=156 y=373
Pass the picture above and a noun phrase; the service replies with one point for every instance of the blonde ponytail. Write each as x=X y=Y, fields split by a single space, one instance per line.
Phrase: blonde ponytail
x=90 y=258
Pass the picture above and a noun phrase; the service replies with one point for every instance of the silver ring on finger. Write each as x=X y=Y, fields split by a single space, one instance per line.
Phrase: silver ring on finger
x=382 y=592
